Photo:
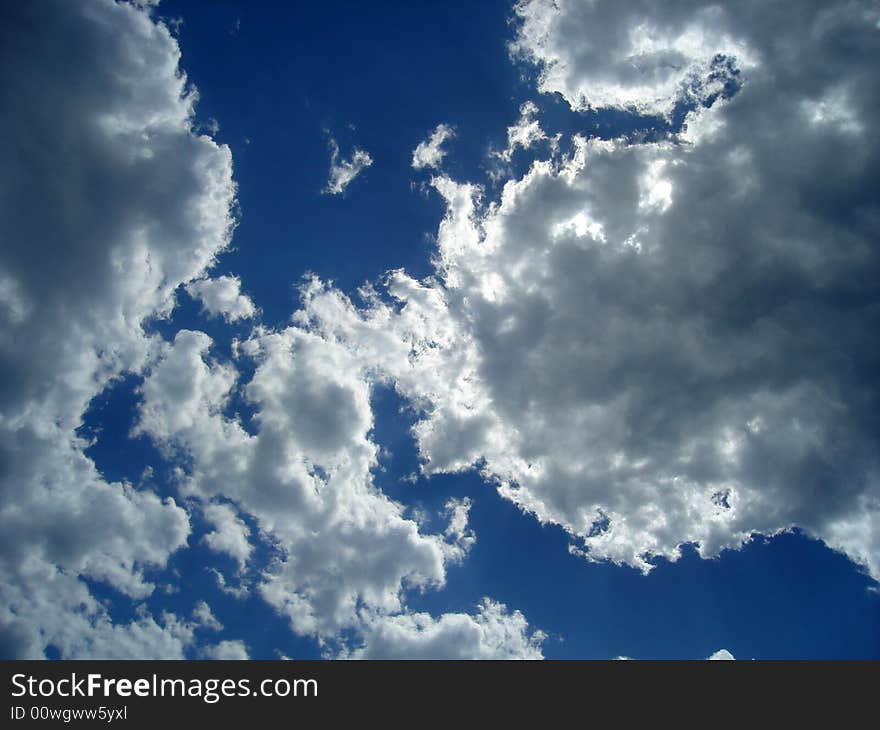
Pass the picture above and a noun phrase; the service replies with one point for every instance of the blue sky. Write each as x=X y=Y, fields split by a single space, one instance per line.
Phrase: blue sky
x=661 y=351
x=301 y=54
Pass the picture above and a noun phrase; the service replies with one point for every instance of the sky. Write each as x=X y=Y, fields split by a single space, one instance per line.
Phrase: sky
x=439 y=330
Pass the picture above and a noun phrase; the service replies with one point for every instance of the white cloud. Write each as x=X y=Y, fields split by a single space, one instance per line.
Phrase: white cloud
x=226 y=650
x=649 y=344
x=348 y=553
x=103 y=216
x=230 y=534
x=342 y=171
x=461 y=538
x=304 y=476
x=722 y=655
x=654 y=344
x=430 y=153
x=525 y=133
x=205 y=618
x=492 y=633
x=637 y=55
x=221 y=296
x=240 y=591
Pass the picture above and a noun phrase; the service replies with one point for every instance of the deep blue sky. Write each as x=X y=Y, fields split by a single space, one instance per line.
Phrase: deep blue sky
x=376 y=75
x=278 y=78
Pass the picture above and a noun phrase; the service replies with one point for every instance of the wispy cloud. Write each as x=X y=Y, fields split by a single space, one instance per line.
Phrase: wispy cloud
x=430 y=153
x=342 y=171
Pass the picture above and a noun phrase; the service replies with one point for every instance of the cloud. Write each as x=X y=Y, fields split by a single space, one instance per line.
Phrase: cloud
x=492 y=633
x=461 y=538
x=346 y=553
x=304 y=475
x=221 y=296
x=104 y=214
x=664 y=343
x=430 y=153
x=230 y=534
x=239 y=591
x=722 y=655
x=649 y=343
x=226 y=650
x=635 y=55
x=343 y=172
x=205 y=618
x=525 y=133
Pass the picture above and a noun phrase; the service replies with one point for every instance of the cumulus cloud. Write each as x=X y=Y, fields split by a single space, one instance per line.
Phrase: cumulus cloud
x=647 y=343
x=660 y=343
x=205 y=618
x=221 y=297
x=342 y=171
x=430 y=153
x=230 y=534
x=226 y=650
x=525 y=132
x=304 y=476
x=636 y=55
x=722 y=655
x=492 y=633
x=103 y=216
